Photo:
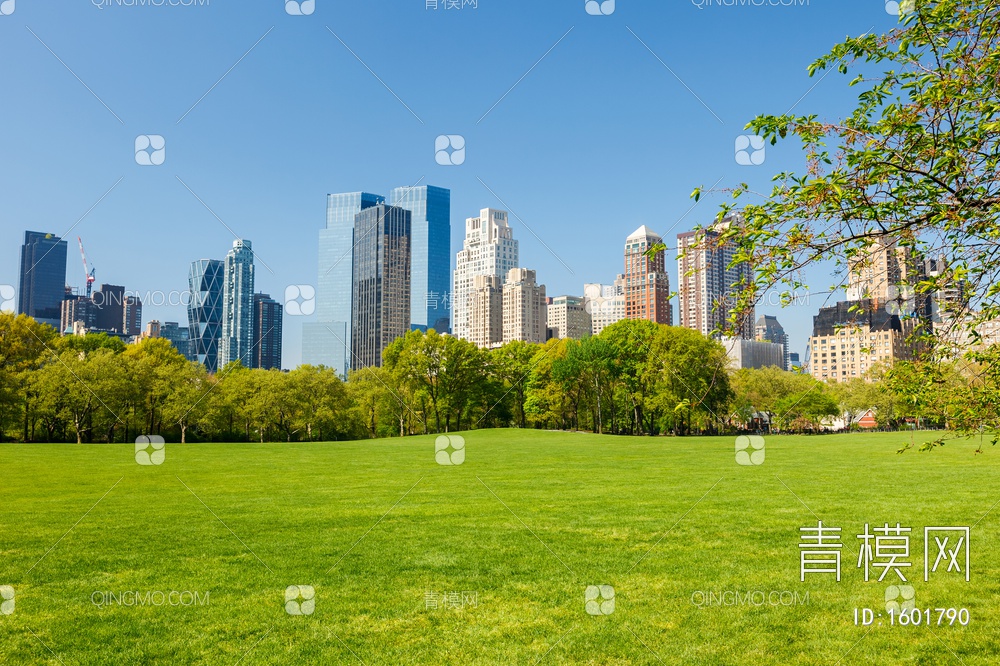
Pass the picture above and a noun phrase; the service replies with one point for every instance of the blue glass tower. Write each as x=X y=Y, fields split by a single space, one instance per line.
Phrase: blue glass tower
x=430 y=254
x=205 y=311
x=328 y=340
x=43 y=277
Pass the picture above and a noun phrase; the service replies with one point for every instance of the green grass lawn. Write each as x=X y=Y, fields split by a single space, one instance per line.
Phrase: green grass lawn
x=523 y=527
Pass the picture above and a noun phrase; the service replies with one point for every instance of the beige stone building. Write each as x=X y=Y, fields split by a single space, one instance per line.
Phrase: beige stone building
x=852 y=337
x=486 y=312
x=568 y=317
x=525 y=312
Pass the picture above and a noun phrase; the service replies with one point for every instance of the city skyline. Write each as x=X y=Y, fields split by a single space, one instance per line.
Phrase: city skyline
x=249 y=167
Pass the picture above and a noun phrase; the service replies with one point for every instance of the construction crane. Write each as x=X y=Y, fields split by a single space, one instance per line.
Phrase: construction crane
x=91 y=273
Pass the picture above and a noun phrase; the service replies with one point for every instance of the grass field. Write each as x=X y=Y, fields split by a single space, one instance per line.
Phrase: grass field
x=530 y=519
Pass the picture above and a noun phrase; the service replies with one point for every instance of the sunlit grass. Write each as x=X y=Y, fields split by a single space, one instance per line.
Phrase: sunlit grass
x=522 y=528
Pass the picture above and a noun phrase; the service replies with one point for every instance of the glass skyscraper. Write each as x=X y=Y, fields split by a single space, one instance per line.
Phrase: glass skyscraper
x=328 y=340
x=267 y=314
x=237 y=306
x=205 y=311
x=42 y=277
x=430 y=260
x=381 y=289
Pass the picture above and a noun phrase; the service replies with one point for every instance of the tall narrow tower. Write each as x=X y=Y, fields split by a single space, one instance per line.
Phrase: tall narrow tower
x=237 y=306
x=647 y=285
x=710 y=282
x=489 y=249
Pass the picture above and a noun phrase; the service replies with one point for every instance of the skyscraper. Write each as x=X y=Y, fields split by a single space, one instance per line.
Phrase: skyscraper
x=117 y=312
x=205 y=282
x=380 y=311
x=267 y=315
x=327 y=341
x=486 y=311
x=879 y=267
x=525 y=311
x=237 y=306
x=709 y=284
x=430 y=254
x=489 y=249
x=768 y=328
x=42 y=277
x=647 y=285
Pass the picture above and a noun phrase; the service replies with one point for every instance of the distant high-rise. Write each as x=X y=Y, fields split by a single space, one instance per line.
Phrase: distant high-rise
x=647 y=285
x=267 y=314
x=753 y=353
x=768 y=328
x=76 y=308
x=879 y=267
x=179 y=337
x=605 y=303
x=709 y=283
x=852 y=337
x=489 y=249
x=237 y=306
x=568 y=317
x=327 y=341
x=380 y=311
x=486 y=311
x=205 y=282
x=131 y=316
x=525 y=311
x=430 y=254
x=42 y=277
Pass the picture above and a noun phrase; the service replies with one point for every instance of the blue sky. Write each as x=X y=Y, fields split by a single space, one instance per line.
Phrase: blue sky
x=598 y=138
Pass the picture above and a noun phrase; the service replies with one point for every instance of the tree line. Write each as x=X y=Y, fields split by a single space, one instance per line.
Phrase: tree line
x=635 y=378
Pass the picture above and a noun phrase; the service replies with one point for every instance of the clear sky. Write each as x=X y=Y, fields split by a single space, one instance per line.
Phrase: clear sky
x=584 y=127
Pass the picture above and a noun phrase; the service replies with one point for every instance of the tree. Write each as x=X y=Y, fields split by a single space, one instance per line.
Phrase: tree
x=512 y=364
x=188 y=401
x=24 y=346
x=914 y=165
x=323 y=403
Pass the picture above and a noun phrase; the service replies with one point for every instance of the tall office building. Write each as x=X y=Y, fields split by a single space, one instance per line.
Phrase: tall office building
x=380 y=309
x=489 y=249
x=327 y=341
x=568 y=317
x=486 y=311
x=205 y=281
x=117 y=311
x=42 y=277
x=237 y=306
x=430 y=254
x=77 y=309
x=605 y=303
x=647 y=285
x=525 y=310
x=267 y=322
x=768 y=328
x=709 y=285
